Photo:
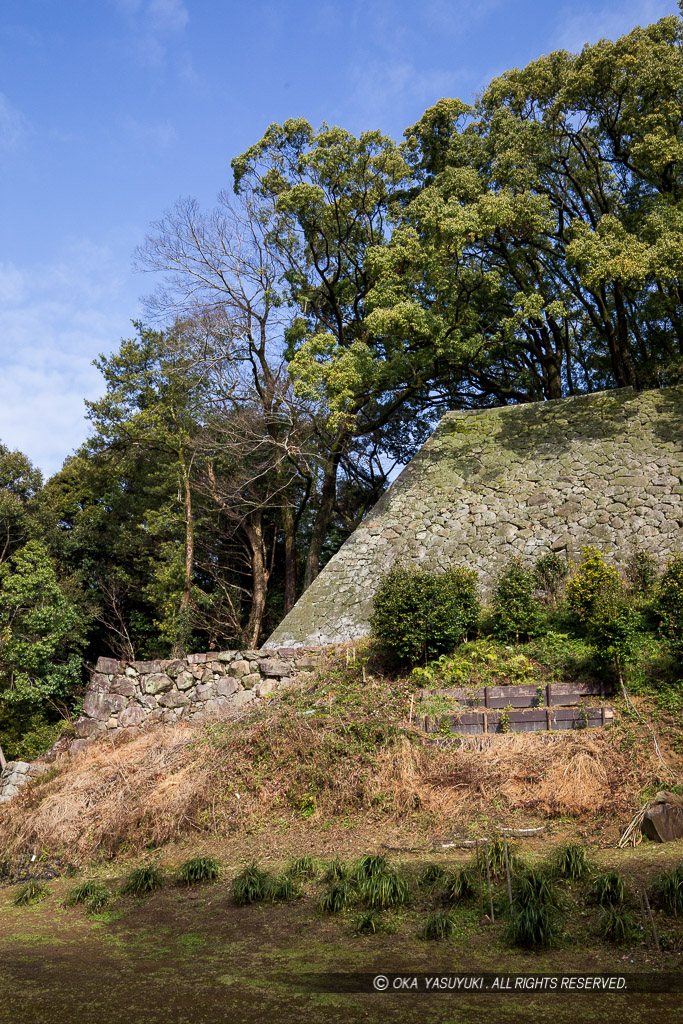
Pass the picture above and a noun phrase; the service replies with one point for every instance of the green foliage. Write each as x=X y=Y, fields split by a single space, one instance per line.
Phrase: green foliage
x=516 y=611
x=439 y=925
x=432 y=875
x=550 y=572
x=617 y=924
x=199 y=869
x=667 y=890
x=305 y=867
x=614 y=627
x=494 y=852
x=460 y=886
x=337 y=871
x=590 y=581
x=383 y=890
x=571 y=861
x=337 y=898
x=419 y=614
x=669 y=601
x=534 y=910
x=32 y=892
x=284 y=887
x=143 y=881
x=93 y=894
x=250 y=885
x=369 y=922
x=642 y=570
x=484 y=662
x=608 y=888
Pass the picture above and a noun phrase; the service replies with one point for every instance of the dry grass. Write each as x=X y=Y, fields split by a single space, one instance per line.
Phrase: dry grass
x=217 y=780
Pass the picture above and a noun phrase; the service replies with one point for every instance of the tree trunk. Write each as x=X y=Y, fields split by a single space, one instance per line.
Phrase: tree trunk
x=186 y=598
x=289 y=531
x=322 y=519
x=253 y=529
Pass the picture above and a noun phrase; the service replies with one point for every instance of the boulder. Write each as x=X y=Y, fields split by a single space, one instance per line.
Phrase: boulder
x=108 y=666
x=175 y=699
x=123 y=686
x=243 y=697
x=253 y=679
x=663 y=821
x=227 y=686
x=84 y=728
x=147 y=667
x=185 y=681
x=240 y=668
x=274 y=668
x=158 y=683
x=101 y=706
x=132 y=717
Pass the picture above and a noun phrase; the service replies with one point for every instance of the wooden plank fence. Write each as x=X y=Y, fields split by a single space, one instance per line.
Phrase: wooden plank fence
x=532 y=720
x=524 y=696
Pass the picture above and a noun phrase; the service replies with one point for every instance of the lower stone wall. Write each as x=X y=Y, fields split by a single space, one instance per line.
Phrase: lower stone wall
x=15 y=775
x=124 y=697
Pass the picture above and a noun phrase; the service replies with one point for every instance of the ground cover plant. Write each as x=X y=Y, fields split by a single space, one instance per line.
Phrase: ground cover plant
x=143 y=880
x=199 y=869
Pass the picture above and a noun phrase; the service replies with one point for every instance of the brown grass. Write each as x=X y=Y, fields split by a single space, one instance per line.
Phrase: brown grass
x=217 y=780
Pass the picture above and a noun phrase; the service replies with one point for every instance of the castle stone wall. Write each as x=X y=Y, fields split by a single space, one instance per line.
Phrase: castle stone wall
x=603 y=469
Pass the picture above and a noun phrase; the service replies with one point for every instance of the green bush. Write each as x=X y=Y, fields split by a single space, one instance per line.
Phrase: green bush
x=667 y=890
x=617 y=924
x=440 y=925
x=284 y=887
x=589 y=581
x=641 y=572
x=613 y=626
x=93 y=894
x=250 y=886
x=199 y=869
x=534 y=910
x=550 y=572
x=32 y=892
x=418 y=615
x=571 y=861
x=516 y=611
x=337 y=898
x=608 y=888
x=669 y=603
x=143 y=880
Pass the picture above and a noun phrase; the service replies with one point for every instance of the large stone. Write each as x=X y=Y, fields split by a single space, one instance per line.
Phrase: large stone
x=101 y=706
x=185 y=681
x=145 y=668
x=158 y=683
x=84 y=728
x=205 y=691
x=226 y=687
x=273 y=668
x=174 y=668
x=663 y=820
x=174 y=699
x=132 y=716
x=240 y=668
x=123 y=686
x=108 y=666
x=253 y=679
x=242 y=698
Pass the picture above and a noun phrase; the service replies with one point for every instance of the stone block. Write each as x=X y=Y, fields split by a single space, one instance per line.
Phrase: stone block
x=253 y=679
x=145 y=668
x=174 y=699
x=242 y=697
x=123 y=686
x=78 y=746
x=240 y=668
x=185 y=681
x=102 y=706
x=265 y=686
x=226 y=656
x=174 y=668
x=84 y=728
x=274 y=668
x=663 y=820
x=205 y=691
x=100 y=683
x=108 y=666
x=158 y=683
x=21 y=767
x=226 y=687
x=196 y=659
x=132 y=716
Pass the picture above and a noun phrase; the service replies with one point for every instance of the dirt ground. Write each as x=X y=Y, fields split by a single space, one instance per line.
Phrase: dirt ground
x=190 y=956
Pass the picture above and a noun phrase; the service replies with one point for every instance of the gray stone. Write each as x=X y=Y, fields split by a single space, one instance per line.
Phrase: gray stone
x=158 y=683
x=205 y=691
x=174 y=668
x=185 y=681
x=132 y=716
x=108 y=666
x=242 y=697
x=78 y=746
x=239 y=669
x=226 y=656
x=145 y=668
x=102 y=706
x=253 y=679
x=273 y=668
x=265 y=686
x=226 y=686
x=663 y=821
x=174 y=699
x=84 y=728
x=123 y=686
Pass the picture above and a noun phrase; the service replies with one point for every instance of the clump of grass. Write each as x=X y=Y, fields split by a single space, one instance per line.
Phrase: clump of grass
x=667 y=890
x=617 y=924
x=32 y=892
x=250 y=886
x=304 y=867
x=440 y=925
x=143 y=880
x=199 y=869
x=534 y=910
x=93 y=894
x=385 y=890
x=571 y=861
x=337 y=898
x=459 y=886
x=432 y=875
x=372 y=923
x=494 y=852
x=608 y=888
x=370 y=866
x=284 y=887
x=337 y=871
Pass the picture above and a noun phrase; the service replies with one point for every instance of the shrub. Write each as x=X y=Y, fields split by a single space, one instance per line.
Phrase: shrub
x=571 y=862
x=250 y=886
x=590 y=580
x=337 y=898
x=384 y=890
x=641 y=573
x=199 y=869
x=516 y=612
x=372 y=923
x=494 y=851
x=608 y=888
x=418 y=615
x=370 y=866
x=143 y=880
x=459 y=886
x=613 y=626
x=284 y=887
x=432 y=874
x=667 y=890
x=669 y=603
x=534 y=910
x=32 y=892
x=93 y=894
x=550 y=572
x=305 y=867
x=441 y=925
x=337 y=871
x=617 y=924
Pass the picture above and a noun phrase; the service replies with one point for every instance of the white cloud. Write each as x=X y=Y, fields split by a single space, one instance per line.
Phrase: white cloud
x=54 y=320
x=13 y=125
x=382 y=88
x=152 y=24
x=587 y=23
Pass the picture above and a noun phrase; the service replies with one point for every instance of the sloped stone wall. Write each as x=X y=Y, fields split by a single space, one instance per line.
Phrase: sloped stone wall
x=127 y=696
x=603 y=469
x=15 y=775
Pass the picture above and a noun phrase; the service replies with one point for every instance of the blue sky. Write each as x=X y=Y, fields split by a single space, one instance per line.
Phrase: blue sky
x=112 y=109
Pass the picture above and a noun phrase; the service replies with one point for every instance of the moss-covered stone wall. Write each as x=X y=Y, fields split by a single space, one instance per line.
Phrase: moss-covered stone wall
x=603 y=469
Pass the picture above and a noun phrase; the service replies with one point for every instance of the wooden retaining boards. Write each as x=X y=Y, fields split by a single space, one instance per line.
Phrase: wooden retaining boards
x=533 y=720
x=524 y=696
